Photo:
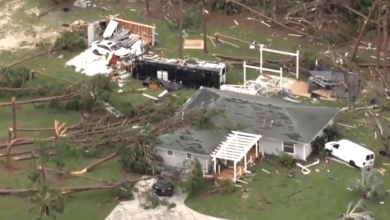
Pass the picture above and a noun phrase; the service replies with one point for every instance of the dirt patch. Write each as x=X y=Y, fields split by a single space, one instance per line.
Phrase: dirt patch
x=12 y=169
x=19 y=34
x=11 y=39
x=8 y=10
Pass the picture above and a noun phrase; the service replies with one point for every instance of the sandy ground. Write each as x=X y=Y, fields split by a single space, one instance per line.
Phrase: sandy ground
x=20 y=35
x=131 y=210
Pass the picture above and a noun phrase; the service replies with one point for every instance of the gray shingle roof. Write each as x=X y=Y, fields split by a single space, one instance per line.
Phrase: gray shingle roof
x=270 y=117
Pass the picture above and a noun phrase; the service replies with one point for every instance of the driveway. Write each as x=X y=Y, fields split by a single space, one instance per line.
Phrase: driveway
x=131 y=210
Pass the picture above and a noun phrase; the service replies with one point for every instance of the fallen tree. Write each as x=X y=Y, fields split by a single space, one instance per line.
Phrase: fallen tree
x=68 y=190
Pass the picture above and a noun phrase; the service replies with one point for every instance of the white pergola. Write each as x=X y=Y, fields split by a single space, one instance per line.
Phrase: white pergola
x=235 y=148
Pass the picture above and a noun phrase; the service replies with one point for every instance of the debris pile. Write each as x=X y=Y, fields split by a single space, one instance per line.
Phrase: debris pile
x=75 y=26
x=334 y=82
x=82 y=3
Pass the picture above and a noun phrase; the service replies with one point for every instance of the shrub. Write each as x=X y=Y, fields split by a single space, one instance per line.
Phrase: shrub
x=286 y=160
x=318 y=145
x=194 y=19
x=71 y=41
x=331 y=133
x=195 y=181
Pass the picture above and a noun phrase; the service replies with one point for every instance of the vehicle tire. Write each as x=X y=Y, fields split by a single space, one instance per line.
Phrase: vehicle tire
x=352 y=163
x=96 y=52
x=328 y=152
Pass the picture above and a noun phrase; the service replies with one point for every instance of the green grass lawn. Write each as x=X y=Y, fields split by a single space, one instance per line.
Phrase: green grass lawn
x=312 y=196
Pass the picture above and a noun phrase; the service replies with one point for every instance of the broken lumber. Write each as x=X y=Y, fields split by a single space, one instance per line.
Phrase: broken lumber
x=267 y=18
x=41 y=100
x=218 y=35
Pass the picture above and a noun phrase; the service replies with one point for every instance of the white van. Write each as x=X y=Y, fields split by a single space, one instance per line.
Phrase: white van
x=352 y=153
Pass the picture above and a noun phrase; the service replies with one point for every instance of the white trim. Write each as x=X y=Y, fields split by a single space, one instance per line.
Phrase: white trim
x=288 y=147
x=184 y=152
x=173 y=154
x=190 y=156
x=235 y=148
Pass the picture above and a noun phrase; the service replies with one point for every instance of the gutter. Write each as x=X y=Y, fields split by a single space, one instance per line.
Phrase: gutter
x=184 y=152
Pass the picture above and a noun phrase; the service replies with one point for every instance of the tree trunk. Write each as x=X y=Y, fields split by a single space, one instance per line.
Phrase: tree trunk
x=274 y=9
x=264 y=7
x=67 y=190
x=387 y=146
x=204 y=12
x=385 y=40
x=351 y=99
x=181 y=30
x=226 y=7
x=95 y=164
x=379 y=39
x=363 y=29
x=147 y=8
x=42 y=176
x=9 y=146
x=14 y=131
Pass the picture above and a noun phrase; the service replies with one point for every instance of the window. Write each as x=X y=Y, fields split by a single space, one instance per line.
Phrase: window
x=188 y=156
x=336 y=146
x=115 y=47
x=288 y=147
x=170 y=153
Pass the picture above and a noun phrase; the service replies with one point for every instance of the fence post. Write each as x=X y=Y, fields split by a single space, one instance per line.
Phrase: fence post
x=297 y=65
x=244 y=72
x=261 y=58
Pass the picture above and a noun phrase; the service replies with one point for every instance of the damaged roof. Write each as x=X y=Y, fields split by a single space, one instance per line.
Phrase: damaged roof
x=272 y=118
x=193 y=140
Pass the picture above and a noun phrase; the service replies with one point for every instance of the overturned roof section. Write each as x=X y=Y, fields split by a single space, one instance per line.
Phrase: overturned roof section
x=270 y=117
x=332 y=76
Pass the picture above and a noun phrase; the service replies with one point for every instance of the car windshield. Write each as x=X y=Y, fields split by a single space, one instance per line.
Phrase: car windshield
x=162 y=183
x=114 y=47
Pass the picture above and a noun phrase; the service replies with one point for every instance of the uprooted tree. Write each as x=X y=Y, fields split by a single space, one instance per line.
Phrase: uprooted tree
x=356 y=212
x=368 y=184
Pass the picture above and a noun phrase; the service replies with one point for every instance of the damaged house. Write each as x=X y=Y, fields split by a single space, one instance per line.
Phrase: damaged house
x=273 y=126
x=334 y=82
x=189 y=74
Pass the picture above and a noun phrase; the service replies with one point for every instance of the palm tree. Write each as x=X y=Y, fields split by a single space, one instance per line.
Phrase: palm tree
x=369 y=184
x=354 y=214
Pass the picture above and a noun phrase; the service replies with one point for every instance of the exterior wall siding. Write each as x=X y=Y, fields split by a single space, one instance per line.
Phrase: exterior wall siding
x=274 y=147
x=299 y=152
x=271 y=147
x=308 y=150
x=178 y=157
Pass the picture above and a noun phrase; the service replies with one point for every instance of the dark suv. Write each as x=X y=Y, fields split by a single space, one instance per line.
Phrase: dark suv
x=163 y=187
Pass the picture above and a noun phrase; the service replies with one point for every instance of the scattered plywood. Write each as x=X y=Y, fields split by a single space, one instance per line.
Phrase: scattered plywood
x=193 y=44
x=300 y=88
